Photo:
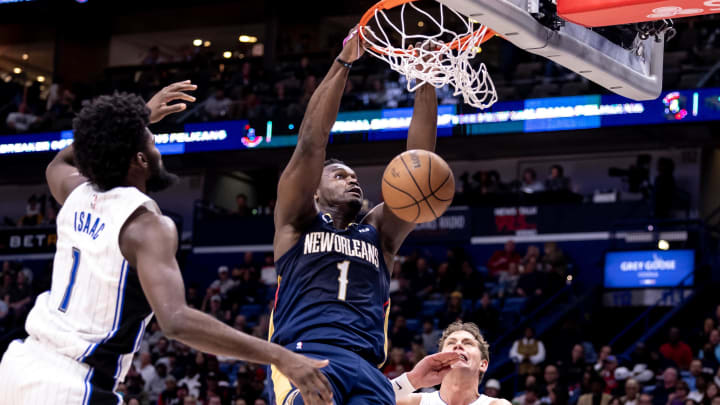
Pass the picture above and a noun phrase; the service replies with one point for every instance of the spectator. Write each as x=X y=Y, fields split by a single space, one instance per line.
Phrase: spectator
x=470 y=283
x=486 y=316
x=530 y=283
x=557 y=181
x=710 y=354
x=695 y=372
x=445 y=282
x=33 y=215
x=530 y=183
x=153 y=56
x=574 y=366
x=430 y=336
x=242 y=206
x=192 y=380
x=224 y=283
x=169 y=394
x=551 y=380
x=217 y=106
x=421 y=282
x=268 y=274
x=608 y=374
x=704 y=335
x=711 y=392
x=145 y=367
x=454 y=311
x=605 y=352
x=645 y=399
x=397 y=364
x=676 y=350
x=553 y=261
x=680 y=395
x=527 y=353
x=530 y=397
x=22 y=120
x=492 y=388
x=665 y=387
x=400 y=335
x=507 y=283
x=597 y=395
x=697 y=393
x=501 y=259
x=632 y=389
x=532 y=252
x=157 y=385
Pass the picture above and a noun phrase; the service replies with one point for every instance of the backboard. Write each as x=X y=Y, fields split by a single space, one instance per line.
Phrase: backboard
x=634 y=71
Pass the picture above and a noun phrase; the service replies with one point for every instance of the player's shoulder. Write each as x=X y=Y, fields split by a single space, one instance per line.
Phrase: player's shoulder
x=498 y=401
x=145 y=225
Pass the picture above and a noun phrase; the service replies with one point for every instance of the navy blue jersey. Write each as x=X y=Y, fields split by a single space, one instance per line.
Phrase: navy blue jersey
x=333 y=288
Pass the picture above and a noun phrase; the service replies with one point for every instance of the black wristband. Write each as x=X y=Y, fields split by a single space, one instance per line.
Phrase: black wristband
x=342 y=62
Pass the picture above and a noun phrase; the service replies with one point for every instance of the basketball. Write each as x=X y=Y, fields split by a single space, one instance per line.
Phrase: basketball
x=418 y=186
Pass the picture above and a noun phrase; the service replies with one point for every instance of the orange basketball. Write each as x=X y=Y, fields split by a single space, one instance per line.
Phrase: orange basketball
x=418 y=186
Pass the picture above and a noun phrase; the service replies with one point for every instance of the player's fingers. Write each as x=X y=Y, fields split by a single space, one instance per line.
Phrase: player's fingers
x=177 y=95
x=177 y=85
x=319 y=363
x=171 y=109
x=446 y=356
x=328 y=393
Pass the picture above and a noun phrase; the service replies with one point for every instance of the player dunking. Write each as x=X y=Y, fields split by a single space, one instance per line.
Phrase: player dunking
x=333 y=300
x=458 y=368
x=115 y=265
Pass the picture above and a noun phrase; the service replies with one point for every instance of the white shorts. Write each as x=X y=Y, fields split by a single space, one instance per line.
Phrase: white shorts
x=31 y=373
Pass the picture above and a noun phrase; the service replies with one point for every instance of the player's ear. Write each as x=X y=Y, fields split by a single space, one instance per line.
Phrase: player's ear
x=484 y=366
x=140 y=159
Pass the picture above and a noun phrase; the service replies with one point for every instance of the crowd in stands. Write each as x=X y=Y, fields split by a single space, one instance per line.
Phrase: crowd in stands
x=427 y=295
x=248 y=89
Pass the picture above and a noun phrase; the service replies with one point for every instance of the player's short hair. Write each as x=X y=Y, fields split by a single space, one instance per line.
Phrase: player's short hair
x=333 y=161
x=109 y=131
x=473 y=330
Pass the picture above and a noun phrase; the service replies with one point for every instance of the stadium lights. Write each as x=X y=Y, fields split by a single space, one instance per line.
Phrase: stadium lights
x=247 y=39
x=17 y=70
x=663 y=244
x=197 y=42
x=25 y=56
x=207 y=44
x=41 y=79
x=227 y=54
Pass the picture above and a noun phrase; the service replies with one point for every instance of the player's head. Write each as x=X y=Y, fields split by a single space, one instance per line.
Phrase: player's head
x=466 y=339
x=113 y=146
x=339 y=188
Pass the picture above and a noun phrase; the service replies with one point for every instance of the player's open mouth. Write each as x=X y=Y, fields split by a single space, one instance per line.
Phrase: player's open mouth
x=463 y=357
x=355 y=190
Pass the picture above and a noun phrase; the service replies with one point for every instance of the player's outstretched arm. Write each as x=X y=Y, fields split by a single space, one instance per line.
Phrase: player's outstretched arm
x=300 y=179
x=421 y=135
x=149 y=243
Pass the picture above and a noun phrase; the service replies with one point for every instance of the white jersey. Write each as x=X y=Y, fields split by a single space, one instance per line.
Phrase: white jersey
x=96 y=311
x=433 y=398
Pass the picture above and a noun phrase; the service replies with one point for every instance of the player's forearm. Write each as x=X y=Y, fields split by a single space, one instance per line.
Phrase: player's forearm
x=64 y=157
x=423 y=126
x=202 y=332
x=322 y=110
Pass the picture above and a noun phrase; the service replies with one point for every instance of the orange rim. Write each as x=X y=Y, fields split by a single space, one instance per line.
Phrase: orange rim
x=460 y=44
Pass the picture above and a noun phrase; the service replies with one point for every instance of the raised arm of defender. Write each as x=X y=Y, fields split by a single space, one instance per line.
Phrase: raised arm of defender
x=300 y=179
x=149 y=243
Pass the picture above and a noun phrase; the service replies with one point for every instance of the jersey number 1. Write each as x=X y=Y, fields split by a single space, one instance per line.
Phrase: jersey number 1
x=73 y=272
x=343 y=279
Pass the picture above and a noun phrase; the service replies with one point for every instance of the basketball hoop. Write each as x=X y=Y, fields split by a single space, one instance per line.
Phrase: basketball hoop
x=447 y=46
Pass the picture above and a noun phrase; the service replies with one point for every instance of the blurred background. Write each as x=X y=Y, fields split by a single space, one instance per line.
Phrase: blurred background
x=583 y=238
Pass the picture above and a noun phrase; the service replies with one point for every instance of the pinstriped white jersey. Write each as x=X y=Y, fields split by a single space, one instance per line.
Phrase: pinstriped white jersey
x=433 y=398
x=96 y=311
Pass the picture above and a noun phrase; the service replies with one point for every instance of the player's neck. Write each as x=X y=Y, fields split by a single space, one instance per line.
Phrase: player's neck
x=459 y=388
x=341 y=218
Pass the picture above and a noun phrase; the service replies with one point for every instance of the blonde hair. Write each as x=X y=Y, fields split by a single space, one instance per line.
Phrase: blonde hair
x=472 y=329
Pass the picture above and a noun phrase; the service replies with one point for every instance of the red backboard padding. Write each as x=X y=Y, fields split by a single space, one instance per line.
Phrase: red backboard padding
x=599 y=13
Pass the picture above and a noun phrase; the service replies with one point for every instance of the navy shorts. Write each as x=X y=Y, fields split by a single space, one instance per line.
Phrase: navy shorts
x=353 y=379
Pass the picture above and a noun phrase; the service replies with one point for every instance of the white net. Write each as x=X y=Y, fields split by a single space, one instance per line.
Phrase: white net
x=439 y=56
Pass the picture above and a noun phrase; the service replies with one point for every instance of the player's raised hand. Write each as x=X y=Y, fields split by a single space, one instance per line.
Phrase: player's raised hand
x=353 y=46
x=431 y=370
x=158 y=105
x=305 y=374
